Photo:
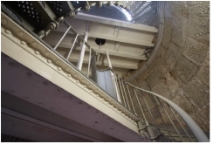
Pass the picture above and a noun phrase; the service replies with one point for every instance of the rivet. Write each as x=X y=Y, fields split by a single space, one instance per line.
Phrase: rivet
x=77 y=81
x=84 y=86
x=49 y=61
x=20 y=34
x=68 y=75
x=23 y=42
x=4 y=21
x=37 y=52
x=59 y=68
x=7 y=31
x=91 y=91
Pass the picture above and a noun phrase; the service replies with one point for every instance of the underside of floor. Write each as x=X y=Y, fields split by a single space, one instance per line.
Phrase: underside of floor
x=26 y=115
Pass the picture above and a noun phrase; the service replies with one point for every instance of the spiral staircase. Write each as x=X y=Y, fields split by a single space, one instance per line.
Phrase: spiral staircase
x=84 y=49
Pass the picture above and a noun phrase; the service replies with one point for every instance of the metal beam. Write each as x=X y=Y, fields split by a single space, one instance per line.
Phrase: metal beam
x=105 y=63
x=121 y=39
x=142 y=40
x=109 y=21
x=124 y=55
x=113 y=53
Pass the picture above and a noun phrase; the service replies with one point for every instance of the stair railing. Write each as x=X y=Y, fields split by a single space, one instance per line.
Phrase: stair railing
x=171 y=106
x=123 y=89
x=81 y=41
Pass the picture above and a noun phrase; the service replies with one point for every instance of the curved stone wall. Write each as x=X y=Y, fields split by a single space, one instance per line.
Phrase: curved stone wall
x=180 y=70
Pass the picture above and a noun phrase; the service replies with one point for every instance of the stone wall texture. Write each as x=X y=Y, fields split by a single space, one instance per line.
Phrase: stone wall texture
x=180 y=70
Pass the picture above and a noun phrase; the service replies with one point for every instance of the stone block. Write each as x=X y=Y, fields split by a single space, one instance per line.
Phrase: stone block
x=155 y=113
x=198 y=28
x=179 y=32
x=180 y=99
x=171 y=82
x=204 y=73
x=162 y=90
x=195 y=51
x=167 y=32
x=199 y=8
x=196 y=92
x=170 y=59
x=179 y=8
x=143 y=84
x=143 y=75
x=204 y=117
x=167 y=12
x=155 y=78
x=199 y=122
x=158 y=59
x=184 y=69
x=150 y=102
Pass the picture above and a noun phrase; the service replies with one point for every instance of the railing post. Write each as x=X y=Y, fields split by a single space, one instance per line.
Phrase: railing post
x=131 y=99
x=146 y=122
x=62 y=37
x=148 y=108
x=170 y=119
x=113 y=76
x=122 y=92
x=108 y=59
x=71 y=49
x=160 y=115
x=126 y=95
x=90 y=57
x=179 y=123
x=83 y=49
x=197 y=131
x=118 y=90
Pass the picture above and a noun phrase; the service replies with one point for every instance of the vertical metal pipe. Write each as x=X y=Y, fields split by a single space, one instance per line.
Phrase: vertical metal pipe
x=180 y=123
x=81 y=58
x=160 y=115
x=108 y=59
x=71 y=49
x=90 y=57
x=126 y=101
x=170 y=119
x=146 y=122
x=148 y=107
x=122 y=92
x=62 y=37
x=126 y=95
x=118 y=92
x=131 y=99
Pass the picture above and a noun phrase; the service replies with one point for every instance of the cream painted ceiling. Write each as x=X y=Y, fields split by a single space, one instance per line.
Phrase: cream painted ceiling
x=126 y=42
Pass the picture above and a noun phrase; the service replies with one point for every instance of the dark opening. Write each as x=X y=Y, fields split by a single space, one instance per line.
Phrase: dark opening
x=99 y=41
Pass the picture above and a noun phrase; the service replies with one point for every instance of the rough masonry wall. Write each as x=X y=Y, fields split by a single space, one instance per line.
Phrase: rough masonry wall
x=180 y=71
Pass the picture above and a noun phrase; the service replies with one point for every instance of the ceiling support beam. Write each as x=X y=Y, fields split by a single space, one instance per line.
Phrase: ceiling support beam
x=105 y=63
x=112 y=53
x=120 y=23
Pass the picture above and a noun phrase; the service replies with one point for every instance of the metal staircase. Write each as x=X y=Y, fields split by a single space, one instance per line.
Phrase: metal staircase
x=40 y=18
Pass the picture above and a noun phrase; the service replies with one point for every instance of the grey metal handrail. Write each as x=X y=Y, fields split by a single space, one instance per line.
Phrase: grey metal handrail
x=197 y=131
